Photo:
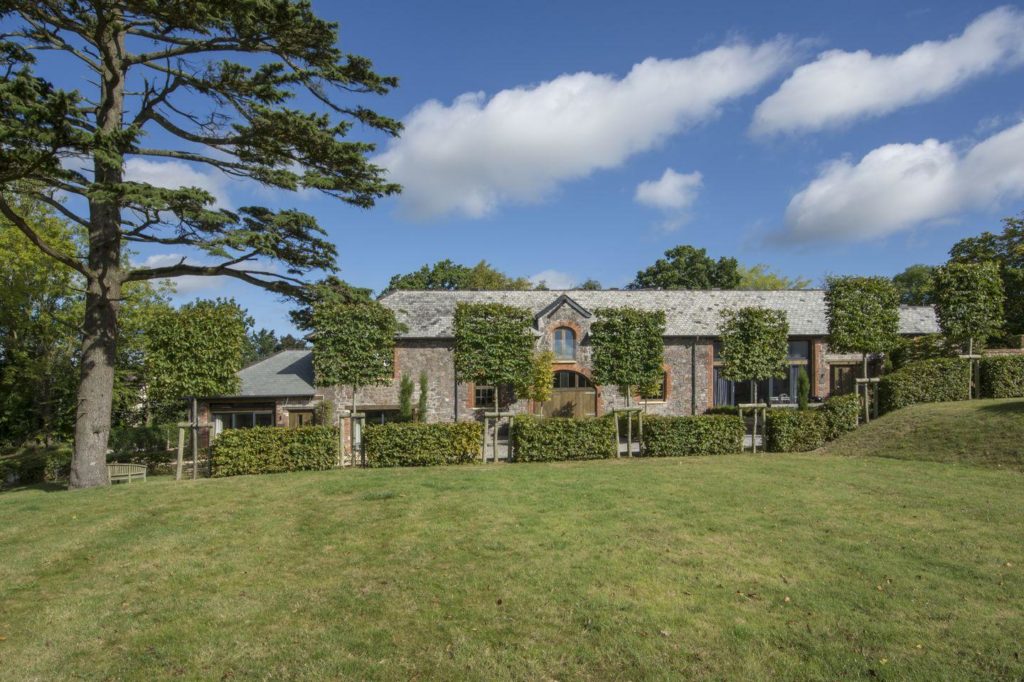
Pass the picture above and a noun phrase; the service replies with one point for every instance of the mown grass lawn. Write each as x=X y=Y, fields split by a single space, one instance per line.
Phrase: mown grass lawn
x=730 y=567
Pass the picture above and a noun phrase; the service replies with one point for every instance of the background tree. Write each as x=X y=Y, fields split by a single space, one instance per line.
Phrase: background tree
x=493 y=346
x=194 y=351
x=353 y=344
x=331 y=288
x=421 y=406
x=1007 y=250
x=755 y=345
x=246 y=88
x=687 y=267
x=446 y=275
x=969 y=302
x=541 y=382
x=628 y=348
x=863 y=315
x=265 y=342
x=760 y=278
x=915 y=285
x=142 y=305
x=405 y=389
x=590 y=285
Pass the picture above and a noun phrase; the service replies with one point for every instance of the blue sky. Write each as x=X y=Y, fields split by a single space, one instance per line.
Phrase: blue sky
x=781 y=152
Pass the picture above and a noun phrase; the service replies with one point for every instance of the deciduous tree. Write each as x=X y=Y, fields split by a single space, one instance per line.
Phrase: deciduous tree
x=755 y=345
x=628 y=348
x=969 y=301
x=243 y=88
x=759 y=277
x=915 y=285
x=446 y=275
x=493 y=345
x=863 y=315
x=1006 y=249
x=687 y=267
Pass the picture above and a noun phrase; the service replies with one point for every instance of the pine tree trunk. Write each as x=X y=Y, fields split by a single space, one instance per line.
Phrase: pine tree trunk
x=103 y=294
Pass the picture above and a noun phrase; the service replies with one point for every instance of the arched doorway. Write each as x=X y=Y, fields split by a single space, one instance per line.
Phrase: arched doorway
x=573 y=395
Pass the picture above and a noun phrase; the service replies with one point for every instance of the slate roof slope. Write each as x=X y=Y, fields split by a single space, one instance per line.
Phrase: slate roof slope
x=287 y=373
x=428 y=314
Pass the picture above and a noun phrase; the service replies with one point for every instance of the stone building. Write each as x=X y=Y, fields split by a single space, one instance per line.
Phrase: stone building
x=280 y=390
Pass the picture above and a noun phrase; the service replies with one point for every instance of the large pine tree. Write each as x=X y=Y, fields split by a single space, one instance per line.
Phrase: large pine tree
x=248 y=88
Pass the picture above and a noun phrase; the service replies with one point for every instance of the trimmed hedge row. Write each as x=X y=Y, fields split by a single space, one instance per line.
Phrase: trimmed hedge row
x=271 y=449
x=696 y=435
x=409 y=444
x=924 y=381
x=1002 y=376
x=841 y=414
x=794 y=430
x=540 y=439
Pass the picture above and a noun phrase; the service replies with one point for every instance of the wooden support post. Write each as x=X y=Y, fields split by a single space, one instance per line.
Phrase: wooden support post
x=195 y=439
x=618 y=436
x=181 y=450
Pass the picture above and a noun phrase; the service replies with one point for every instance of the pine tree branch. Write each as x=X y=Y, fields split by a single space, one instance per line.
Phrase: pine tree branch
x=8 y=211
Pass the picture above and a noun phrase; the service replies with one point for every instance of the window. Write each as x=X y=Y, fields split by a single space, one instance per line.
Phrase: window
x=241 y=420
x=483 y=396
x=781 y=390
x=660 y=393
x=567 y=379
x=563 y=343
x=299 y=418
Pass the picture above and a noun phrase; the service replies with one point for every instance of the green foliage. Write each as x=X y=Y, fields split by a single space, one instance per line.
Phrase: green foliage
x=915 y=285
x=542 y=378
x=405 y=389
x=493 y=344
x=331 y=289
x=687 y=267
x=755 y=343
x=696 y=435
x=760 y=278
x=271 y=450
x=1006 y=249
x=195 y=350
x=803 y=389
x=794 y=430
x=925 y=381
x=265 y=342
x=419 y=444
x=1002 y=376
x=863 y=314
x=927 y=347
x=128 y=440
x=540 y=439
x=353 y=343
x=590 y=285
x=628 y=347
x=969 y=301
x=841 y=414
x=32 y=465
x=447 y=275
x=421 y=408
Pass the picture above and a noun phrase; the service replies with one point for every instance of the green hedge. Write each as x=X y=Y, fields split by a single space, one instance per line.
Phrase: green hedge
x=698 y=435
x=410 y=444
x=540 y=439
x=841 y=414
x=795 y=430
x=272 y=449
x=1002 y=376
x=924 y=381
x=33 y=465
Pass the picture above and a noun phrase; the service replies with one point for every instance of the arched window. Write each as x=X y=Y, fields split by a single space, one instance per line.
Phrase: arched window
x=564 y=344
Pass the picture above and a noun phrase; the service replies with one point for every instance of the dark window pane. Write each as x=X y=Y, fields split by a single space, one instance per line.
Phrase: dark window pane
x=264 y=419
x=243 y=420
x=799 y=350
x=484 y=396
x=564 y=344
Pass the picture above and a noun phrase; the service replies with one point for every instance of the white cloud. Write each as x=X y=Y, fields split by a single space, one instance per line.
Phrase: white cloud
x=840 y=87
x=519 y=145
x=174 y=174
x=672 y=192
x=553 y=279
x=899 y=186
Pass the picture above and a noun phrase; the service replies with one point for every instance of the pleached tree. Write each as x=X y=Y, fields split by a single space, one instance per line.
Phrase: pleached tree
x=248 y=89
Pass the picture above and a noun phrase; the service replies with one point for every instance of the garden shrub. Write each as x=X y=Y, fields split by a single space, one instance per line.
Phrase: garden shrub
x=546 y=439
x=723 y=409
x=696 y=435
x=841 y=414
x=924 y=381
x=33 y=465
x=411 y=444
x=1002 y=376
x=271 y=449
x=795 y=430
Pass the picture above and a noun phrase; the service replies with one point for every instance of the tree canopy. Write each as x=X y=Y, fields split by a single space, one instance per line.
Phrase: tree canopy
x=494 y=345
x=687 y=267
x=1007 y=250
x=254 y=90
x=446 y=275
x=353 y=343
x=969 y=301
x=863 y=314
x=915 y=285
x=628 y=347
x=760 y=277
x=755 y=343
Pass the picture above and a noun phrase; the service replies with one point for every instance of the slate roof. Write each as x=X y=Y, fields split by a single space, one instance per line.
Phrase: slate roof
x=283 y=374
x=428 y=314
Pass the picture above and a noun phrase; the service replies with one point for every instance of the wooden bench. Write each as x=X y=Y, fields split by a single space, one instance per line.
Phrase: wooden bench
x=117 y=472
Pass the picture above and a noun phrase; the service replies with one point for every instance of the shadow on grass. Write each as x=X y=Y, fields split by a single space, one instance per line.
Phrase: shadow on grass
x=42 y=487
x=1010 y=408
